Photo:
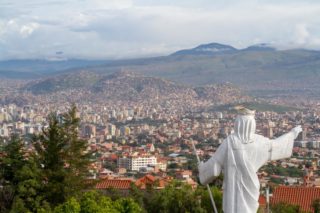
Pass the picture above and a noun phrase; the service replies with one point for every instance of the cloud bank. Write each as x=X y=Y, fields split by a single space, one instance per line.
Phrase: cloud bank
x=99 y=29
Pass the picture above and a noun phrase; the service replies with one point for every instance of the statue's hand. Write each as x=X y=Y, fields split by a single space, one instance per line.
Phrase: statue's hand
x=296 y=131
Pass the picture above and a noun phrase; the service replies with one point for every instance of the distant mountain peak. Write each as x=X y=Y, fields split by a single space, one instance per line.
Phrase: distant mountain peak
x=260 y=47
x=207 y=49
x=214 y=47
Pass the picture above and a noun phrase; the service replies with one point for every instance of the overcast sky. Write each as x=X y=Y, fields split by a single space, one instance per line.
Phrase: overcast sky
x=101 y=29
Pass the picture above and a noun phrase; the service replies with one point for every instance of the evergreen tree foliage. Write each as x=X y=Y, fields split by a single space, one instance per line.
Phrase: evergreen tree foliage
x=57 y=170
x=21 y=184
x=77 y=159
x=13 y=160
x=6 y=198
x=11 y=163
x=63 y=157
x=50 y=149
x=28 y=196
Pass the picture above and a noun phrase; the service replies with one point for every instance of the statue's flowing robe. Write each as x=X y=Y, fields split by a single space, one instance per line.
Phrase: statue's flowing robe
x=239 y=163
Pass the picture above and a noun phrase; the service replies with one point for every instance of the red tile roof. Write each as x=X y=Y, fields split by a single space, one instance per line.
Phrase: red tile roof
x=149 y=179
x=125 y=184
x=262 y=200
x=302 y=196
x=114 y=183
x=145 y=180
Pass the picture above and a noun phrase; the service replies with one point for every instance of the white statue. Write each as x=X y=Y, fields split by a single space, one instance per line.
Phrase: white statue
x=239 y=157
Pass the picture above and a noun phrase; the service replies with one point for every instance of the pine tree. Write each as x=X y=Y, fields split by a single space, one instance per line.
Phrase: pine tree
x=28 y=195
x=77 y=158
x=63 y=157
x=50 y=149
x=12 y=161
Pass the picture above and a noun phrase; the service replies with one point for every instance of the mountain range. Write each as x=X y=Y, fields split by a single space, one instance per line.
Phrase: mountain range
x=260 y=69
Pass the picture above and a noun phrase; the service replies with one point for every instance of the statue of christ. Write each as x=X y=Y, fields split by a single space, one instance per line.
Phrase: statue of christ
x=239 y=157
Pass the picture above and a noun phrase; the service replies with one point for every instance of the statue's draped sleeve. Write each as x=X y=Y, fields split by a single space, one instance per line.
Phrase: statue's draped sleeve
x=212 y=168
x=282 y=147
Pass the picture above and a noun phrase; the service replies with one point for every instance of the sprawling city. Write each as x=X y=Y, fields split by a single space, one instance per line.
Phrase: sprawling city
x=122 y=126
x=148 y=140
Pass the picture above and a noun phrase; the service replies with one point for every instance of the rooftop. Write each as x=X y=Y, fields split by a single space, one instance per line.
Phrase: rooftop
x=302 y=196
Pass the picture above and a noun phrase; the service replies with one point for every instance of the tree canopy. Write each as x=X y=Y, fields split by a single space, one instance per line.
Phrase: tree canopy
x=54 y=171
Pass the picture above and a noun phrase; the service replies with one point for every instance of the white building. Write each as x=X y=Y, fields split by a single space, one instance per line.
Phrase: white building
x=135 y=163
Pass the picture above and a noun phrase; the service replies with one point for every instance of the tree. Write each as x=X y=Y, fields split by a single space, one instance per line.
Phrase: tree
x=175 y=198
x=316 y=205
x=12 y=161
x=285 y=208
x=139 y=196
x=55 y=172
x=50 y=149
x=127 y=205
x=28 y=195
x=20 y=180
x=63 y=157
x=203 y=193
x=77 y=158
x=70 y=206
x=6 y=197
x=94 y=202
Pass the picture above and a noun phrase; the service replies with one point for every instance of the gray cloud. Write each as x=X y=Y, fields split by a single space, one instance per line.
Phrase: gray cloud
x=134 y=28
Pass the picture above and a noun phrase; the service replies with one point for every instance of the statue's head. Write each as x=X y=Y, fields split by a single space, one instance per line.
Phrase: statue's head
x=245 y=128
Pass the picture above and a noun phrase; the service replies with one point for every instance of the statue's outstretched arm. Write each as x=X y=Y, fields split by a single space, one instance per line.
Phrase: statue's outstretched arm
x=282 y=147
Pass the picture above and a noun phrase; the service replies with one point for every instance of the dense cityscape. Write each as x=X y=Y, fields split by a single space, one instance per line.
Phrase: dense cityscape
x=145 y=106
x=148 y=141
